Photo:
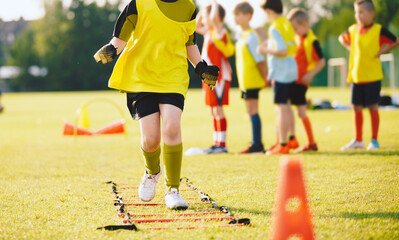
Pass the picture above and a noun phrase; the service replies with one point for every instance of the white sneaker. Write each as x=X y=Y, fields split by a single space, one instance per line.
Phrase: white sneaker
x=353 y=145
x=148 y=185
x=174 y=200
x=373 y=145
x=215 y=149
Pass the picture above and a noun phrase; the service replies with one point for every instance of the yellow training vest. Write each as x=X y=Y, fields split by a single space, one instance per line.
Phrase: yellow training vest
x=308 y=44
x=284 y=27
x=364 y=65
x=248 y=74
x=155 y=57
x=226 y=48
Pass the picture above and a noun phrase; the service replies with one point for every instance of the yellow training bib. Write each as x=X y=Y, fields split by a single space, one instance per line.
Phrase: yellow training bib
x=364 y=65
x=248 y=73
x=284 y=27
x=155 y=57
x=308 y=44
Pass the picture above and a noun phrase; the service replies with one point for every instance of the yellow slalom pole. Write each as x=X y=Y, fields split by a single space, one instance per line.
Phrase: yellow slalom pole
x=82 y=113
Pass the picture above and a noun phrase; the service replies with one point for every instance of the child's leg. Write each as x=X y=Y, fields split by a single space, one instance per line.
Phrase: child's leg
x=291 y=121
x=277 y=124
x=284 y=121
x=358 y=114
x=252 y=109
x=215 y=128
x=173 y=148
x=375 y=120
x=306 y=123
x=220 y=125
x=150 y=140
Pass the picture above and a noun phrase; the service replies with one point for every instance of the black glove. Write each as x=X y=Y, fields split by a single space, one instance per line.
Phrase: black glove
x=106 y=54
x=208 y=74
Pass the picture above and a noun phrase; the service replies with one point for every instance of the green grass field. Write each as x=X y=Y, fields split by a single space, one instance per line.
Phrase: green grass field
x=53 y=185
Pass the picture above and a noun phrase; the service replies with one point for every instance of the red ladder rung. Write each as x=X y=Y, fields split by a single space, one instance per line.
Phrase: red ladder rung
x=178 y=219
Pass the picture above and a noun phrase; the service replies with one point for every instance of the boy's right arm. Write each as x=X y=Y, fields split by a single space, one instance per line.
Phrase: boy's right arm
x=124 y=27
x=109 y=51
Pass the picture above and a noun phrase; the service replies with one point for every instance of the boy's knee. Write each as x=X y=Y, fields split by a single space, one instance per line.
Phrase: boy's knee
x=171 y=130
x=150 y=144
x=283 y=107
x=302 y=114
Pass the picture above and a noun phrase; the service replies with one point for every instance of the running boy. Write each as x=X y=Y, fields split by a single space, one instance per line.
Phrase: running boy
x=216 y=49
x=251 y=72
x=152 y=70
x=282 y=68
x=366 y=41
x=310 y=61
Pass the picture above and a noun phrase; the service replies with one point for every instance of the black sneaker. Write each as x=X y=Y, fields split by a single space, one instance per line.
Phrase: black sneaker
x=254 y=149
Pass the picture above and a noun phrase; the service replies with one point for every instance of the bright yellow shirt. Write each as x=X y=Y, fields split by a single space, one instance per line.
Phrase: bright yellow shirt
x=308 y=45
x=155 y=57
x=248 y=73
x=364 y=65
x=284 y=27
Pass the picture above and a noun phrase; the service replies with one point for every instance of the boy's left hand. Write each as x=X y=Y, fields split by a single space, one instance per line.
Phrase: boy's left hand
x=208 y=73
x=307 y=78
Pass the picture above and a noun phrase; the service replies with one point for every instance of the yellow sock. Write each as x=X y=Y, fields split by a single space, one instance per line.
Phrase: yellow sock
x=151 y=161
x=172 y=157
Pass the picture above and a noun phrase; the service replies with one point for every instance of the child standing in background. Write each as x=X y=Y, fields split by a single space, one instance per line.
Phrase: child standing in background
x=310 y=61
x=282 y=68
x=251 y=72
x=216 y=49
x=366 y=41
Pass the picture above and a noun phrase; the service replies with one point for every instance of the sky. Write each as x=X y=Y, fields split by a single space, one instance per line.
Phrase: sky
x=33 y=9
x=28 y=9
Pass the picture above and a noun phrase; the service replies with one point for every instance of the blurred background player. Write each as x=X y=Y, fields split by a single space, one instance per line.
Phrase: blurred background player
x=216 y=49
x=282 y=68
x=310 y=61
x=251 y=72
x=154 y=76
x=366 y=41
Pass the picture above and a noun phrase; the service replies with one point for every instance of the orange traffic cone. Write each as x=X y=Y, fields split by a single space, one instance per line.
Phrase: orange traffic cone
x=117 y=126
x=292 y=216
x=69 y=129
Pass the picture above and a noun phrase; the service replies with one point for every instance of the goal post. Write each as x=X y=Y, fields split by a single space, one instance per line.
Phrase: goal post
x=341 y=63
x=390 y=58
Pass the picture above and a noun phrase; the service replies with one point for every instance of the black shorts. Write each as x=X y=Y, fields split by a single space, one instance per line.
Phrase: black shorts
x=282 y=92
x=298 y=94
x=250 y=93
x=145 y=103
x=366 y=94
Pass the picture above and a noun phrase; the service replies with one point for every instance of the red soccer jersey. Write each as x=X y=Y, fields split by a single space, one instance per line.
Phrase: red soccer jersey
x=214 y=56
